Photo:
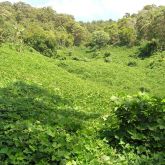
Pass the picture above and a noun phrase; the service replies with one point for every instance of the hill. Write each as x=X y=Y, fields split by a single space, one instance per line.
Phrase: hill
x=52 y=110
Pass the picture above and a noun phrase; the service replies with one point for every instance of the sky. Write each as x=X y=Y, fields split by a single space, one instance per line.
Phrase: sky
x=88 y=10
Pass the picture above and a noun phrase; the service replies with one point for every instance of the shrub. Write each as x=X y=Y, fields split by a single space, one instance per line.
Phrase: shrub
x=107 y=54
x=99 y=39
x=132 y=63
x=144 y=89
x=76 y=58
x=96 y=54
x=140 y=122
x=147 y=48
x=48 y=52
x=42 y=43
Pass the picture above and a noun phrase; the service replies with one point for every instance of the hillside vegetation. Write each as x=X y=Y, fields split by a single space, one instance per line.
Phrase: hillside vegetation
x=46 y=31
x=74 y=93
x=58 y=107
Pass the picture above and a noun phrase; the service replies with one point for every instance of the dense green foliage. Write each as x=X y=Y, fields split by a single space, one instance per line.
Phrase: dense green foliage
x=147 y=24
x=58 y=109
x=44 y=29
x=147 y=48
x=58 y=119
x=99 y=39
x=140 y=122
x=139 y=126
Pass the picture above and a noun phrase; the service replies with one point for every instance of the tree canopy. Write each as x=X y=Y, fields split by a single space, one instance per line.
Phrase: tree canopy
x=62 y=30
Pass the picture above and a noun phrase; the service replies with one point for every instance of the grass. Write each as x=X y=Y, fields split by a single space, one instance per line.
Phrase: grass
x=65 y=101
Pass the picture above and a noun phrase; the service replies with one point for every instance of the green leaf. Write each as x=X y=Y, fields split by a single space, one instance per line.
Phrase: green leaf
x=4 y=150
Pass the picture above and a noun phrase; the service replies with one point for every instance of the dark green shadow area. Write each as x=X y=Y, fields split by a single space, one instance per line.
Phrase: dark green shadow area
x=21 y=101
x=38 y=126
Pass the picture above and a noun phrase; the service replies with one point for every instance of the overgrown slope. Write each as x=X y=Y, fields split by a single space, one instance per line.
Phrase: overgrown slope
x=125 y=73
x=51 y=113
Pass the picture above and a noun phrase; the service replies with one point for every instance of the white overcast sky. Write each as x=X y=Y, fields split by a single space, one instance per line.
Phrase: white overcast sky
x=88 y=10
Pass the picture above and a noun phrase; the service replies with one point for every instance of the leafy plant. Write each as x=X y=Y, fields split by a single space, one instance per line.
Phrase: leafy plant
x=107 y=54
x=132 y=63
x=148 y=48
x=140 y=123
x=76 y=58
x=43 y=44
x=99 y=39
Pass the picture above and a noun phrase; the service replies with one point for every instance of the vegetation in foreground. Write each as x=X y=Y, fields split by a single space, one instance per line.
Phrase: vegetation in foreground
x=60 y=111
x=79 y=104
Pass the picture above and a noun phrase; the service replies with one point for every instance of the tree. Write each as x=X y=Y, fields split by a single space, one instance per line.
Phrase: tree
x=6 y=23
x=40 y=40
x=79 y=34
x=64 y=39
x=144 y=22
x=17 y=38
x=150 y=24
x=99 y=39
x=158 y=27
x=127 y=31
x=113 y=32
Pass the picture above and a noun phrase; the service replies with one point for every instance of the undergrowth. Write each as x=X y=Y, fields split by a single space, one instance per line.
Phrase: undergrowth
x=52 y=110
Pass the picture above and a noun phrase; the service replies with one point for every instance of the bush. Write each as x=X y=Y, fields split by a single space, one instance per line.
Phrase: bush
x=43 y=44
x=144 y=89
x=147 y=48
x=132 y=63
x=99 y=39
x=140 y=123
x=76 y=58
x=96 y=54
x=107 y=54
x=48 y=52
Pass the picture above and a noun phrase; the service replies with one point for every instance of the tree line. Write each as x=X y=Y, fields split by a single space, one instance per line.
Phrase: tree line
x=45 y=30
